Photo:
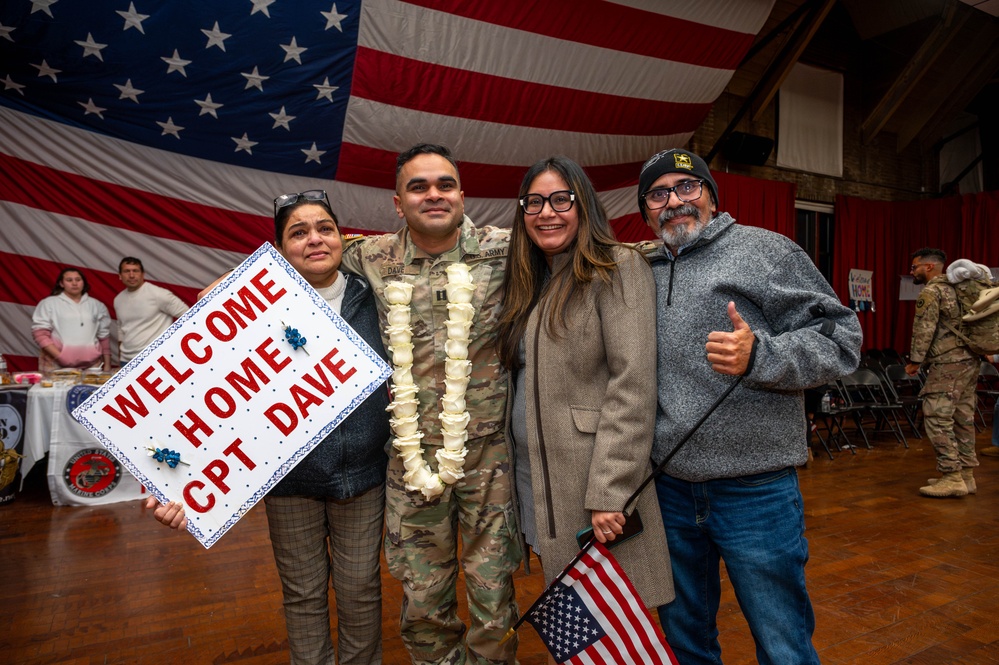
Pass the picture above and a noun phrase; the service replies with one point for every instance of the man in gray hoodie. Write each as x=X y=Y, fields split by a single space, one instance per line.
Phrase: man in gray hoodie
x=734 y=300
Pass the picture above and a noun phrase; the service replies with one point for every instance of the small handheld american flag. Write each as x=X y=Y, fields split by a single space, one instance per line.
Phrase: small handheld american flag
x=594 y=615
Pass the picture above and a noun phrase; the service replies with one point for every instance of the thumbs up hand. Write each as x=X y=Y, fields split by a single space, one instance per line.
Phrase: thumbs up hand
x=728 y=352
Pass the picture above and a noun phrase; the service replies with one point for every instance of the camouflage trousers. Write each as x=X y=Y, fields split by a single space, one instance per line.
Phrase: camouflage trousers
x=421 y=548
x=949 y=412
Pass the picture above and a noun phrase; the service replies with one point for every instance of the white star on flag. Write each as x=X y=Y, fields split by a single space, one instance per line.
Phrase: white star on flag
x=90 y=47
x=90 y=107
x=208 y=106
x=176 y=63
x=293 y=51
x=282 y=119
x=333 y=18
x=132 y=18
x=254 y=79
x=45 y=70
x=129 y=92
x=313 y=155
x=170 y=128
x=261 y=6
x=244 y=143
x=42 y=6
x=325 y=89
x=216 y=37
x=8 y=84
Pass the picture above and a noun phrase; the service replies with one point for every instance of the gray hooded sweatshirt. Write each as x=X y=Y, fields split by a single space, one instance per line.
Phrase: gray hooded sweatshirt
x=806 y=338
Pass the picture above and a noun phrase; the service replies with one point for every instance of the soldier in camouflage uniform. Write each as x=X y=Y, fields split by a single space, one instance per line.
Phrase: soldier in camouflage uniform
x=421 y=535
x=951 y=377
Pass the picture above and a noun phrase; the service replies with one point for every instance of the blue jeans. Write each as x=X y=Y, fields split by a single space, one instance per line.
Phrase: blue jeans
x=756 y=524
x=995 y=424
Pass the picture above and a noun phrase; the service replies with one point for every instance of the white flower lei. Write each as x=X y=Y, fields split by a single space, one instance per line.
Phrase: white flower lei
x=457 y=369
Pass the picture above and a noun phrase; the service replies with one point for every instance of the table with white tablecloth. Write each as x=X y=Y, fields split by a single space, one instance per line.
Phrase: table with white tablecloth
x=80 y=470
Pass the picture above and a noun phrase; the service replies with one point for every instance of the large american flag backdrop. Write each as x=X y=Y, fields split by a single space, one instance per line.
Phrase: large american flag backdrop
x=163 y=129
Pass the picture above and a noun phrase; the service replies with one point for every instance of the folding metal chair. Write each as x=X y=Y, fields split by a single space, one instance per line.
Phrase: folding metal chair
x=906 y=392
x=813 y=404
x=830 y=417
x=866 y=393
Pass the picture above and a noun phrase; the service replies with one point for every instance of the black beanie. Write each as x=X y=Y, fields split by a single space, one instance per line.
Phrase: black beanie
x=673 y=160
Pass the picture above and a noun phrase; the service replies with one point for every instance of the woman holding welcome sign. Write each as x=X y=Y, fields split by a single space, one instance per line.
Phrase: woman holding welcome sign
x=325 y=516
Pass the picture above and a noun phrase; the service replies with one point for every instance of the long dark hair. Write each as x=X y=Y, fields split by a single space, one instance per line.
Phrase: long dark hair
x=592 y=256
x=57 y=289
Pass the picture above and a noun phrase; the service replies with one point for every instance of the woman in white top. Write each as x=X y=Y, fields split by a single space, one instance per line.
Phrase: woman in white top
x=71 y=328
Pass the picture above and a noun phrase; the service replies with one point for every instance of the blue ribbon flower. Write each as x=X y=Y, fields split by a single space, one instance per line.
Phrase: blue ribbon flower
x=293 y=337
x=170 y=457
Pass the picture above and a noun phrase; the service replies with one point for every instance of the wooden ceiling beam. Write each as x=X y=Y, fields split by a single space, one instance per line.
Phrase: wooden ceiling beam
x=790 y=21
x=972 y=83
x=779 y=70
x=977 y=61
x=949 y=25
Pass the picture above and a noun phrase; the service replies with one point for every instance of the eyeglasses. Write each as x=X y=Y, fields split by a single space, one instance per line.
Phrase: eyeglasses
x=917 y=265
x=560 y=201
x=688 y=190
x=286 y=200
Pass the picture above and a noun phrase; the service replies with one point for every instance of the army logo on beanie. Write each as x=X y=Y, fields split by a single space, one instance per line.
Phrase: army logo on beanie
x=684 y=161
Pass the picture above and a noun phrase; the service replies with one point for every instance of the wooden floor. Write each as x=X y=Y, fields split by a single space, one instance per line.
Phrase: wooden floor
x=895 y=578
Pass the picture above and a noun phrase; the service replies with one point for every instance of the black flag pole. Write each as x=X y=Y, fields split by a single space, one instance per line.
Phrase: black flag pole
x=676 y=448
x=637 y=492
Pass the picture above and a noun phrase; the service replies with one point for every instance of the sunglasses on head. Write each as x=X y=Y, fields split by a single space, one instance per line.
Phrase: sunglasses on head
x=286 y=200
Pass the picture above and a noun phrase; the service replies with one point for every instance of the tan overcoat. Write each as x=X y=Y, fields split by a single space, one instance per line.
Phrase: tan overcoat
x=591 y=407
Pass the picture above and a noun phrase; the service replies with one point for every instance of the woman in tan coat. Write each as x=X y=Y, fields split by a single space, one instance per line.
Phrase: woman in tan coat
x=578 y=333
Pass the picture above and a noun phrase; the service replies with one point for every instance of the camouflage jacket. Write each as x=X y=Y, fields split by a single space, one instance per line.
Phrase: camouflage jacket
x=384 y=258
x=932 y=342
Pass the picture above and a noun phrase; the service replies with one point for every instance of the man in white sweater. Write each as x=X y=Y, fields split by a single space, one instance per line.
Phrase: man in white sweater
x=144 y=310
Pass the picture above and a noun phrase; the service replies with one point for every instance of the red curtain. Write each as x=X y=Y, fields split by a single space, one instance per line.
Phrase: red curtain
x=980 y=214
x=764 y=203
x=753 y=202
x=880 y=236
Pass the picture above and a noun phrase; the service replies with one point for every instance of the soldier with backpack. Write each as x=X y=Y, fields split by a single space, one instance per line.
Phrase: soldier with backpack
x=951 y=376
x=978 y=299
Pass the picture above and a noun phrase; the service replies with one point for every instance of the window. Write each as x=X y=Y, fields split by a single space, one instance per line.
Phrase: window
x=814 y=233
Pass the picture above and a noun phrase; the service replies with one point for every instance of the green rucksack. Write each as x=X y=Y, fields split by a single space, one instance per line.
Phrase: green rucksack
x=979 y=302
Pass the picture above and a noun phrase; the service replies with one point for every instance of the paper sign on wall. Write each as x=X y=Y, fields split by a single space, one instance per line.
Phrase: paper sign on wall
x=233 y=392
x=861 y=290
x=860 y=285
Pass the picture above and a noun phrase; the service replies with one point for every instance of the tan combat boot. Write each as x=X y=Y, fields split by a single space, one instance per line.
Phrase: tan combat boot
x=952 y=484
x=967 y=475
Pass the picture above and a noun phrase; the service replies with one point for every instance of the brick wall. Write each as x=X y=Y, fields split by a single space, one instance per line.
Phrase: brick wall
x=875 y=171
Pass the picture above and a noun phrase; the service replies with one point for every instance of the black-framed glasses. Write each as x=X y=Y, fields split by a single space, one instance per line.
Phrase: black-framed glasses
x=688 y=190
x=560 y=201
x=286 y=200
